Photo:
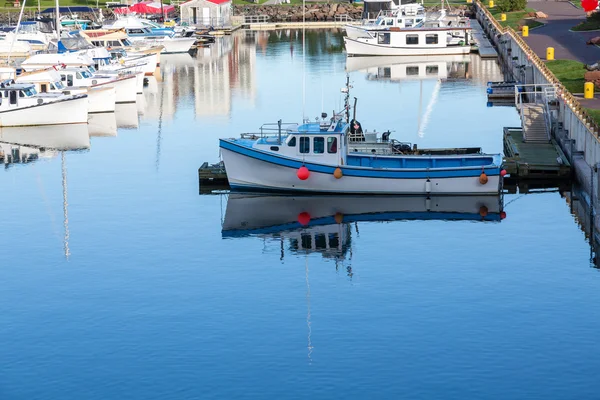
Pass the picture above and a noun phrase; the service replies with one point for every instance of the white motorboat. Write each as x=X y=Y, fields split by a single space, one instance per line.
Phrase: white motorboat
x=405 y=16
x=101 y=97
x=21 y=105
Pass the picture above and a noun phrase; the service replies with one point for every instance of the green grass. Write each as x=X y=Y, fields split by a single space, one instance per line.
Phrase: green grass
x=430 y=3
x=516 y=19
x=595 y=114
x=586 y=26
x=569 y=72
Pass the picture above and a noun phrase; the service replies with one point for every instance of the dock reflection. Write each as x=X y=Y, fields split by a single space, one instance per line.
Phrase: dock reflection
x=323 y=224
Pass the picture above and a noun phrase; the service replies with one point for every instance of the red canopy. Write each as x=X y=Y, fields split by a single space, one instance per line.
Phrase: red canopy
x=146 y=7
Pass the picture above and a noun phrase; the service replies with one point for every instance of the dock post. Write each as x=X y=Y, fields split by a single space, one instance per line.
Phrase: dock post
x=550 y=54
x=503 y=17
x=525 y=31
x=491 y=4
x=588 y=90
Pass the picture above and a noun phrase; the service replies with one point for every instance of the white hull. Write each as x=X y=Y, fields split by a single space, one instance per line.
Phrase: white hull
x=102 y=99
x=69 y=111
x=102 y=125
x=57 y=137
x=275 y=210
x=126 y=88
x=360 y=48
x=177 y=45
x=245 y=172
x=151 y=62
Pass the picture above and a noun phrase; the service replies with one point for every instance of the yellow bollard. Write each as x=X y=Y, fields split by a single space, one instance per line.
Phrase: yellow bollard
x=469 y=1
x=491 y=4
x=588 y=90
x=525 y=31
x=550 y=54
x=502 y=17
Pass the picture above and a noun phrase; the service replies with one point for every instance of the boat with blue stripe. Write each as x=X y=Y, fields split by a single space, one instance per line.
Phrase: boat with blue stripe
x=331 y=156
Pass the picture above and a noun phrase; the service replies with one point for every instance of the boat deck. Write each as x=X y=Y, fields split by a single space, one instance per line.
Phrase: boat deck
x=533 y=160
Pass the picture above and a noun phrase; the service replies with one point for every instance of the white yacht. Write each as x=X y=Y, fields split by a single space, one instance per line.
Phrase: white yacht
x=22 y=105
x=101 y=96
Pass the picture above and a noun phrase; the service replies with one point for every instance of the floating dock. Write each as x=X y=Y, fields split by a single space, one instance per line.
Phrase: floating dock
x=537 y=160
x=484 y=47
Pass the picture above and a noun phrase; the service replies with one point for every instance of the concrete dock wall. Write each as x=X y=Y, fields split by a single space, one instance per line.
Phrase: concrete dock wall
x=575 y=130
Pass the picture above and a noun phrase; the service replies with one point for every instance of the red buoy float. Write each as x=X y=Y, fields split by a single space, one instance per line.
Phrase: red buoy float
x=502 y=215
x=303 y=173
x=339 y=217
x=502 y=173
x=483 y=211
x=304 y=218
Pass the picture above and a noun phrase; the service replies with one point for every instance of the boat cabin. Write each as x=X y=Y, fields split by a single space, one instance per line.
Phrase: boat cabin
x=323 y=142
x=107 y=38
x=45 y=80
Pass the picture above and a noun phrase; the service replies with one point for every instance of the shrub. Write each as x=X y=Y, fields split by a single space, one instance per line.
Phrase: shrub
x=511 y=5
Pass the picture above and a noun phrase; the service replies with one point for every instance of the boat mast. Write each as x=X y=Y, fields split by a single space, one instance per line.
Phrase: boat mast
x=15 y=35
x=347 y=100
x=57 y=16
x=65 y=205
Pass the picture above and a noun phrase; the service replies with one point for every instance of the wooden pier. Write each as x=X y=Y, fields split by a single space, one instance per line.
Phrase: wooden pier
x=533 y=160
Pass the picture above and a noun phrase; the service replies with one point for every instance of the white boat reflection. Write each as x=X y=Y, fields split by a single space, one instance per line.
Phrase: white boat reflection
x=102 y=124
x=127 y=115
x=251 y=214
x=411 y=68
x=56 y=137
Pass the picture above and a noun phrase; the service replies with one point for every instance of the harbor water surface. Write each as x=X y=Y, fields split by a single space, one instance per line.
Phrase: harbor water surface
x=120 y=280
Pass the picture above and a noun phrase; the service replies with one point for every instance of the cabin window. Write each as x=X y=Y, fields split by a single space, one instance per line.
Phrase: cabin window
x=432 y=70
x=79 y=75
x=304 y=144
x=412 y=70
x=321 y=241
x=319 y=145
x=13 y=97
x=43 y=88
x=412 y=39
x=69 y=80
x=274 y=148
x=407 y=23
x=383 y=38
x=21 y=93
x=332 y=145
x=292 y=142
x=431 y=39
x=306 y=241
x=389 y=22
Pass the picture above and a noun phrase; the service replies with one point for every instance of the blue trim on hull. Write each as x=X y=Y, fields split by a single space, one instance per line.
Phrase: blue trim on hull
x=364 y=172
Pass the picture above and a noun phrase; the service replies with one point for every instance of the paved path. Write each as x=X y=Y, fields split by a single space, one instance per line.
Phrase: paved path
x=562 y=16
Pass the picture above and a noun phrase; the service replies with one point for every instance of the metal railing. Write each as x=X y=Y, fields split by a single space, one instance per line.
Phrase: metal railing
x=256 y=19
x=343 y=18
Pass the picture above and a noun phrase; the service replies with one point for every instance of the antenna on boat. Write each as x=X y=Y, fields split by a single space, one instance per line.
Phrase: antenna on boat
x=303 y=61
x=346 y=90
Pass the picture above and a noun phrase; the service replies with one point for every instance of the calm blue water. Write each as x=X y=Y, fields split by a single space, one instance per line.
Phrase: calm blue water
x=117 y=280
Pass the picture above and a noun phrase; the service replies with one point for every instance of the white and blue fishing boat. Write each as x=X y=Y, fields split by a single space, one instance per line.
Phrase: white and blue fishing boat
x=323 y=157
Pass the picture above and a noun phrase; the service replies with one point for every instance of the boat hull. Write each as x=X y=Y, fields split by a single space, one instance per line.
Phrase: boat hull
x=68 y=111
x=357 y=47
x=102 y=99
x=125 y=87
x=57 y=137
x=248 y=170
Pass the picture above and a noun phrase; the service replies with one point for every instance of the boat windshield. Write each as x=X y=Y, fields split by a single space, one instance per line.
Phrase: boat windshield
x=28 y=92
x=126 y=42
x=86 y=74
x=57 y=85
x=92 y=70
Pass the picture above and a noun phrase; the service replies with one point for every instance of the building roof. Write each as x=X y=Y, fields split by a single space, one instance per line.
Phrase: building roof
x=190 y=2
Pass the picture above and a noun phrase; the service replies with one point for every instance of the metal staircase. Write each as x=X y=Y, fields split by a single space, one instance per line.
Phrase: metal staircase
x=533 y=122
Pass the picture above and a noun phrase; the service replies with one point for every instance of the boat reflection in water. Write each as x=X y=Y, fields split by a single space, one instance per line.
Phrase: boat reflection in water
x=411 y=68
x=126 y=115
x=102 y=124
x=25 y=144
x=321 y=224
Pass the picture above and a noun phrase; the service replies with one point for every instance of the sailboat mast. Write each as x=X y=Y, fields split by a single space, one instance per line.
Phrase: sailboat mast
x=57 y=15
x=16 y=32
